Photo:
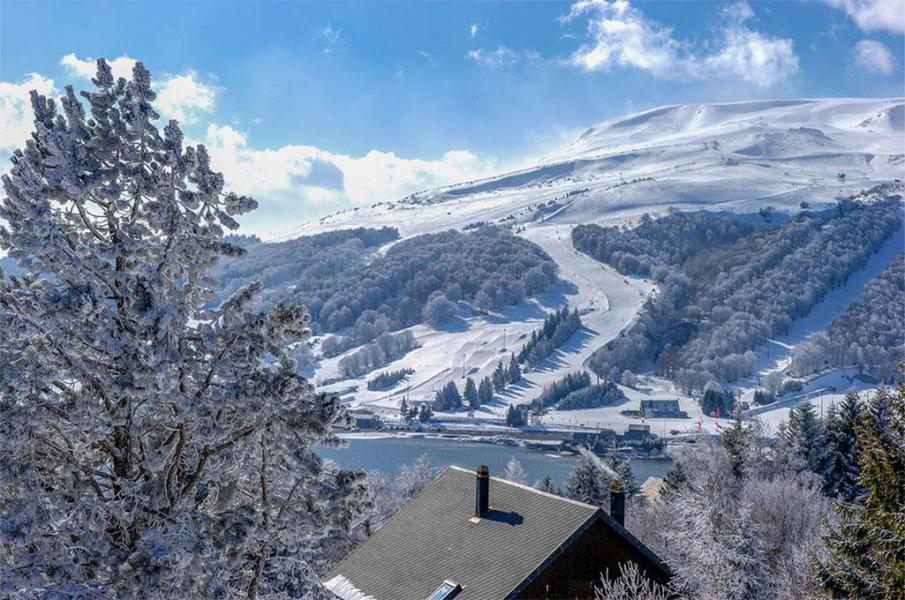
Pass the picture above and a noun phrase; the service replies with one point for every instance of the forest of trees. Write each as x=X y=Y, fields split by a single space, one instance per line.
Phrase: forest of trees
x=815 y=513
x=347 y=285
x=869 y=335
x=667 y=241
x=388 y=379
x=718 y=304
x=557 y=328
x=386 y=348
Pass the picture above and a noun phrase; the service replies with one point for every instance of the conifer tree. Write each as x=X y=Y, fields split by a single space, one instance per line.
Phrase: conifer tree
x=804 y=439
x=587 y=483
x=485 y=391
x=149 y=443
x=515 y=374
x=868 y=547
x=843 y=469
x=515 y=417
x=471 y=394
x=500 y=377
x=404 y=409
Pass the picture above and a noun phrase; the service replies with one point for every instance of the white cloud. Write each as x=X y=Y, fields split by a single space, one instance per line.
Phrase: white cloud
x=87 y=68
x=500 y=57
x=182 y=97
x=622 y=35
x=874 y=57
x=473 y=30
x=299 y=175
x=503 y=57
x=428 y=57
x=874 y=15
x=16 y=118
x=331 y=37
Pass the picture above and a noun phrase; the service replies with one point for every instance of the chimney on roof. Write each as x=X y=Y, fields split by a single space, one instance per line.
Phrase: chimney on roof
x=617 y=502
x=482 y=491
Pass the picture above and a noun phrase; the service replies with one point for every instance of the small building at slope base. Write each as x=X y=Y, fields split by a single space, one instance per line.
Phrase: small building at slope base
x=470 y=536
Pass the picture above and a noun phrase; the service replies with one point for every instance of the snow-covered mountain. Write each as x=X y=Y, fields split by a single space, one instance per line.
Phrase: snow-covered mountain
x=736 y=156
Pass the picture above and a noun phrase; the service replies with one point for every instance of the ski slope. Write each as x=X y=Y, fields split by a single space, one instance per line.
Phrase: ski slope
x=735 y=157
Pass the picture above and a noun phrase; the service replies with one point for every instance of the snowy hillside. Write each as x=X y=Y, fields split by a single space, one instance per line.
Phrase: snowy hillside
x=736 y=157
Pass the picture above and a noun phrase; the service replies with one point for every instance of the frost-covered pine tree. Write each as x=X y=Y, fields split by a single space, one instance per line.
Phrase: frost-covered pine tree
x=485 y=391
x=471 y=394
x=623 y=468
x=587 y=482
x=515 y=472
x=843 y=468
x=515 y=374
x=149 y=444
x=803 y=439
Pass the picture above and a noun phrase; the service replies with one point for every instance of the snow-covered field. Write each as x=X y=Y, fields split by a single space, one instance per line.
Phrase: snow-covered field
x=735 y=157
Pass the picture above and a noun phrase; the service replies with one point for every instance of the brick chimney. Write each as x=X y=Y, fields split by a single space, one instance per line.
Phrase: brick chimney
x=617 y=502
x=482 y=491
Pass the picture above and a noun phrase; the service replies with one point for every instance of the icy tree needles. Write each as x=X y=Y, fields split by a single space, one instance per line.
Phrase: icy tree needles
x=147 y=445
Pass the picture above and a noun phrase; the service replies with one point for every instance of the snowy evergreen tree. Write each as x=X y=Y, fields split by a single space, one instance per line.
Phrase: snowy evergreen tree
x=148 y=444
x=404 y=409
x=804 y=440
x=426 y=413
x=515 y=471
x=843 y=469
x=500 y=377
x=868 y=546
x=588 y=483
x=676 y=478
x=471 y=394
x=515 y=374
x=485 y=391
x=623 y=468
x=515 y=416
x=448 y=398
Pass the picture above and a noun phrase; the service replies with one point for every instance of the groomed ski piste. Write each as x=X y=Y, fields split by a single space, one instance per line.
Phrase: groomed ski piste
x=737 y=157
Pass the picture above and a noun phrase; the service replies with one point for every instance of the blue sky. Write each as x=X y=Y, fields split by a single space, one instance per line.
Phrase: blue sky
x=314 y=107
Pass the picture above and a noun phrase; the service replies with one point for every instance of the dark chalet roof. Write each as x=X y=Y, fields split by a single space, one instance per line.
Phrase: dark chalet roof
x=436 y=538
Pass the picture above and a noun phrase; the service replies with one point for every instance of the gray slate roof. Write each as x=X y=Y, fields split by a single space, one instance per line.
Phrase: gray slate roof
x=433 y=539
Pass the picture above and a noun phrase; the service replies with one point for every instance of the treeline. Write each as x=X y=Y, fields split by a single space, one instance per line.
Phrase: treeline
x=718 y=305
x=557 y=328
x=387 y=379
x=592 y=396
x=869 y=335
x=488 y=267
x=575 y=391
x=558 y=390
x=668 y=240
x=476 y=395
x=387 y=347
x=299 y=261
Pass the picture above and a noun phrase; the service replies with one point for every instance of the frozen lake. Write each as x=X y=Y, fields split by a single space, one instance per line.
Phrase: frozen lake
x=386 y=454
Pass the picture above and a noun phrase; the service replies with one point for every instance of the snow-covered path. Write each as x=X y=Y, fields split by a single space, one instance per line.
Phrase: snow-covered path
x=608 y=303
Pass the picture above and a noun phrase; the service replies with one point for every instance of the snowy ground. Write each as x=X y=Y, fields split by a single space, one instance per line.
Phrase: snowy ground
x=472 y=345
